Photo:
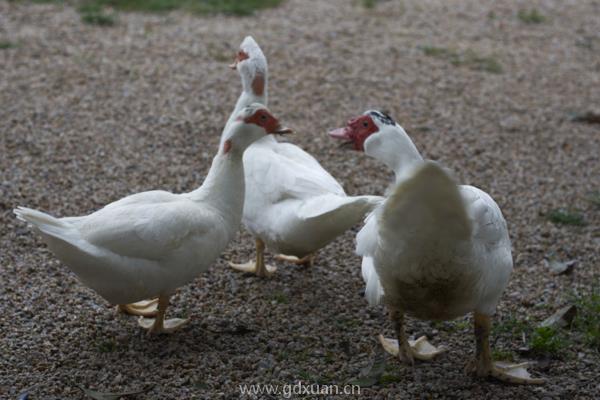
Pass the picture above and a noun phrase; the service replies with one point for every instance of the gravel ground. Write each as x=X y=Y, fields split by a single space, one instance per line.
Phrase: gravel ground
x=89 y=115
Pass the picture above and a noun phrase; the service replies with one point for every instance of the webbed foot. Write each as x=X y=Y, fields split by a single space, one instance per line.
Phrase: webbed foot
x=144 y=308
x=420 y=349
x=156 y=325
x=252 y=268
x=306 y=261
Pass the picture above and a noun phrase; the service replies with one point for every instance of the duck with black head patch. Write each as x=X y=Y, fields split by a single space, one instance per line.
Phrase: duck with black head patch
x=433 y=249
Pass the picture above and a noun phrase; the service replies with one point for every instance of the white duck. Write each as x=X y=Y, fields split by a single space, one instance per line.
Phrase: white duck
x=148 y=244
x=434 y=249
x=292 y=205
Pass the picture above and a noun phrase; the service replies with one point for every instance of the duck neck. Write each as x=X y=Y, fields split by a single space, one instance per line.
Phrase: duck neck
x=394 y=148
x=224 y=189
x=246 y=98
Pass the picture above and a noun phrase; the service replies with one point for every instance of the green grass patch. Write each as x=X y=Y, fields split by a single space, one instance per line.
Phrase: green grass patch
x=302 y=356
x=98 y=19
x=280 y=298
x=107 y=346
x=368 y=3
x=308 y=377
x=439 y=52
x=230 y=7
x=282 y=356
x=329 y=357
x=503 y=355
x=555 y=341
x=305 y=375
x=95 y=11
x=387 y=379
x=462 y=325
x=532 y=16
x=469 y=58
x=5 y=44
x=477 y=62
x=566 y=217
x=587 y=321
x=542 y=341
x=542 y=306
x=391 y=374
x=546 y=340
x=347 y=323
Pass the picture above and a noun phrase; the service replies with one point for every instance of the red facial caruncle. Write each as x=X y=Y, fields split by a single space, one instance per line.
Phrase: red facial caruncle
x=258 y=85
x=265 y=120
x=357 y=130
x=239 y=57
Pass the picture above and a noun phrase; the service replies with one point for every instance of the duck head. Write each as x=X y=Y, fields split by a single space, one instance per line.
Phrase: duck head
x=365 y=129
x=251 y=64
x=251 y=123
x=379 y=136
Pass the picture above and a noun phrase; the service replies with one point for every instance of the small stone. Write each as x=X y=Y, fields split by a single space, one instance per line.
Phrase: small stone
x=511 y=123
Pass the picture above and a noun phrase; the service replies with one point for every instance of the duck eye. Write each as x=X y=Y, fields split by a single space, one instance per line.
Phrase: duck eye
x=263 y=117
x=366 y=124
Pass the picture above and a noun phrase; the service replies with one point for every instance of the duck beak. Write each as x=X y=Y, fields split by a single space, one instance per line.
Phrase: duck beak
x=240 y=56
x=281 y=130
x=340 y=133
x=343 y=134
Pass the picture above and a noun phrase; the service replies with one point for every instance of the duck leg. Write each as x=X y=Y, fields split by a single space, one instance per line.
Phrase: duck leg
x=407 y=350
x=159 y=324
x=483 y=366
x=257 y=267
x=144 y=308
x=306 y=261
